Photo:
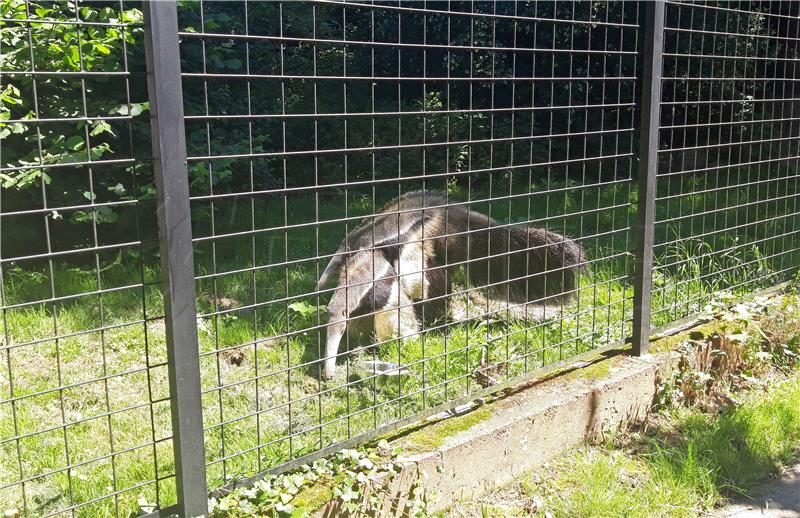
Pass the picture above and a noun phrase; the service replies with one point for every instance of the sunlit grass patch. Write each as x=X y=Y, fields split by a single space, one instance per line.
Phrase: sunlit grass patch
x=89 y=374
x=267 y=406
x=683 y=469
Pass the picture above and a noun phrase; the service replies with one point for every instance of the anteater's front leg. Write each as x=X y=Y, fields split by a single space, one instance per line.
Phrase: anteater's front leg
x=396 y=319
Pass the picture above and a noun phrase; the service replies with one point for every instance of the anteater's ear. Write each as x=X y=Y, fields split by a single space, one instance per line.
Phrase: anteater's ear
x=331 y=272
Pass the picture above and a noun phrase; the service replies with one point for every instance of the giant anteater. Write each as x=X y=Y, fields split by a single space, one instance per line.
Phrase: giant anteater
x=399 y=262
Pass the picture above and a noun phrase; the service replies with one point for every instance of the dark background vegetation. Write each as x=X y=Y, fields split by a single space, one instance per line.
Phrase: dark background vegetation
x=291 y=89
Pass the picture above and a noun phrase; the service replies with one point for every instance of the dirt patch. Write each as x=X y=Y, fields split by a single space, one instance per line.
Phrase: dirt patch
x=234 y=356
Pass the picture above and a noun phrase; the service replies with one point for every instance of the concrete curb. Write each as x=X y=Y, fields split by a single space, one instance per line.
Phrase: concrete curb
x=519 y=432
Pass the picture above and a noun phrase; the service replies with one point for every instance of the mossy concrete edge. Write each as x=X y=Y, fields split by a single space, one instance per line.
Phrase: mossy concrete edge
x=493 y=442
x=468 y=455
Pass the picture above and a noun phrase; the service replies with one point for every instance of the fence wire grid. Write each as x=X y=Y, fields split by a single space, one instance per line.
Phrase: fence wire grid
x=336 y=110
x=727 y=180
x=303 y=122
x=85 y=410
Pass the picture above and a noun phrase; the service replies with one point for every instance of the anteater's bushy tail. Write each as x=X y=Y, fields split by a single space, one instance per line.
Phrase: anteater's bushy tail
x=518 y=264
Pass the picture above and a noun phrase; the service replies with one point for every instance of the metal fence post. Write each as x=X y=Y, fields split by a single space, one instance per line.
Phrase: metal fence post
x=177 y=259
x=651 y=37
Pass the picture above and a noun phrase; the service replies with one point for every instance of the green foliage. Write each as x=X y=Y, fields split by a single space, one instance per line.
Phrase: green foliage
x=441 y=123
x=442 y=364
x=746 y=340
x=742 y=446
x=736 y=33
x=94 y=100
x=357 y=480
x=445 y=131
x=438 y=131
x=607 y=483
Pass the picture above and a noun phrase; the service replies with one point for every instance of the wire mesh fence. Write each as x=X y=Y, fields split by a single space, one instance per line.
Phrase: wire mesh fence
x=395 y=207
x=84 y=416
x=727 y=184
x=301 y=130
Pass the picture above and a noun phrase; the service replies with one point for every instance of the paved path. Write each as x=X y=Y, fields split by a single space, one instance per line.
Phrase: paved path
x=777 y=499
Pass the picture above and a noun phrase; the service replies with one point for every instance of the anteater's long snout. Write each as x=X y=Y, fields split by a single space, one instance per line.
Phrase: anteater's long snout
x=334 y=333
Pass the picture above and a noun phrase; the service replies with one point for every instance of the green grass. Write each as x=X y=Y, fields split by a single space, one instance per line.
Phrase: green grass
x=607 y=484
x=101 y=392
x=682 y=471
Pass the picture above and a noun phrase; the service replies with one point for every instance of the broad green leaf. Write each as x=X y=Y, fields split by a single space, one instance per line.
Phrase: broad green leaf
x=305 y=309
x=132 y=16
x=81 y=156
x=10 y=95
x=75 y=143
x=134 y=109
x=100 y=126
x=8 y=181
x=74 y=56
